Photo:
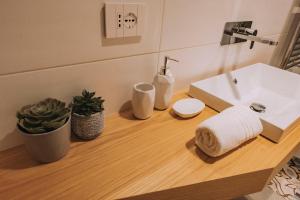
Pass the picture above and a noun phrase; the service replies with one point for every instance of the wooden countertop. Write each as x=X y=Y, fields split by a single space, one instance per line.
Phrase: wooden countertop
x=145 y=159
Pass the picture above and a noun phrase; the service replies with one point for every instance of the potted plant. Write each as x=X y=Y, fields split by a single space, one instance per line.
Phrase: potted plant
x=44 y=128
x=87 y=119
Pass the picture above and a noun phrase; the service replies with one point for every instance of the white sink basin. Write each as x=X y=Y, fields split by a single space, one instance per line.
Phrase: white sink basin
x=276 y=89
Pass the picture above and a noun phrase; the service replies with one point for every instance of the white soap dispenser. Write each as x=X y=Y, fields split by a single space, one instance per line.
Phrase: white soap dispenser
x=164 y=84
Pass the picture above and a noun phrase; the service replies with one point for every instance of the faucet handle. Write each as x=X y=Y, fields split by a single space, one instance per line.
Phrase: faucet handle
x=254 y=33
x=246 y=31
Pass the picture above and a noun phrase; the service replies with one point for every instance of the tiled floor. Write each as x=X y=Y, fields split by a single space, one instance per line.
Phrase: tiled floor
x=287 y=182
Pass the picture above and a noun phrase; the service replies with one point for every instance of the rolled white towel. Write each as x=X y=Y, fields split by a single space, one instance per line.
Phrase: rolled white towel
x=227 y=130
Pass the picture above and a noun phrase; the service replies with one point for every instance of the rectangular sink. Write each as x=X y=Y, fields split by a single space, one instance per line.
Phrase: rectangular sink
x=275 y=89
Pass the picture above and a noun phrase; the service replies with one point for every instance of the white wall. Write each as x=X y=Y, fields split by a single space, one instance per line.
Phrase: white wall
x=56 y=48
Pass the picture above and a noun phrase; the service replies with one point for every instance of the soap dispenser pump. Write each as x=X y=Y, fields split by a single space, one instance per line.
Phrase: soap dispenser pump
x=164 y=84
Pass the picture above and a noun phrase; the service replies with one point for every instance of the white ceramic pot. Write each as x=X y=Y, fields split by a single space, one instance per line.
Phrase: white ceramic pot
x=143 y=100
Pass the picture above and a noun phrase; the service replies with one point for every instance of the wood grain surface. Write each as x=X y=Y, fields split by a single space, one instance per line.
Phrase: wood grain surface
x=145 y=159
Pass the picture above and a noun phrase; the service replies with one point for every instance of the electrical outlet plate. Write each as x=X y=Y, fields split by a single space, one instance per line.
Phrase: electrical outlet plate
x=124 y=19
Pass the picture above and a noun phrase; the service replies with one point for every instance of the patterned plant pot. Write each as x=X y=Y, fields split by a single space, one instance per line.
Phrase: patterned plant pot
x=48 y=147
x=87 y=128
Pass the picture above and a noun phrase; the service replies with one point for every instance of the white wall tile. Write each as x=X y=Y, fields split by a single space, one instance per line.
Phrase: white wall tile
x=113 y=80
x=39 y=34
x=269 y=17
x=200 y=22
x=194 y=22
x=241 y=55
x=196 y=63
x=204 y=61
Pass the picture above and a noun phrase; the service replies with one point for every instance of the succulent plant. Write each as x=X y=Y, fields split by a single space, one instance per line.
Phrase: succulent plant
x=45 y=116
x=87 y=104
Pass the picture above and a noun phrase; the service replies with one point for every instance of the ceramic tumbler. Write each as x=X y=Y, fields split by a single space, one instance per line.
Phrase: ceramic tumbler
x=143 y=100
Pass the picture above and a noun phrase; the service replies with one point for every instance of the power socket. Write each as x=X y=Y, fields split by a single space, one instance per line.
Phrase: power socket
x=124 y=20
x=131 y=14
x=130 y=21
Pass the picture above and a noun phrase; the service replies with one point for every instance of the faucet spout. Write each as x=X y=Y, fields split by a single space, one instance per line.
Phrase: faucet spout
x=255 y=39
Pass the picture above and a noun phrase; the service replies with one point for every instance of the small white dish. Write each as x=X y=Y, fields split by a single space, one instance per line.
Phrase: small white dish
x=189 y=107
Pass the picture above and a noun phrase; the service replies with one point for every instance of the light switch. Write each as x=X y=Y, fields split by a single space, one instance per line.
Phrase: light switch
x=110 y=20
x=124 y=20
x=119 y=17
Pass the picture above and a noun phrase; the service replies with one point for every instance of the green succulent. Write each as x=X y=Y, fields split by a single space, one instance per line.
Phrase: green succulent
x=87 y=104
x=45 y=116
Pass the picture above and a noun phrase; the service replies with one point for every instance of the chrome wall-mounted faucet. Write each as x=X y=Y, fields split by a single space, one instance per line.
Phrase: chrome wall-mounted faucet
x=236 y=32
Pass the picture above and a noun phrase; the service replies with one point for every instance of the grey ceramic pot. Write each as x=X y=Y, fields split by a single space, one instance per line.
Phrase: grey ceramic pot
x=87 y=127
x=50 y=146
